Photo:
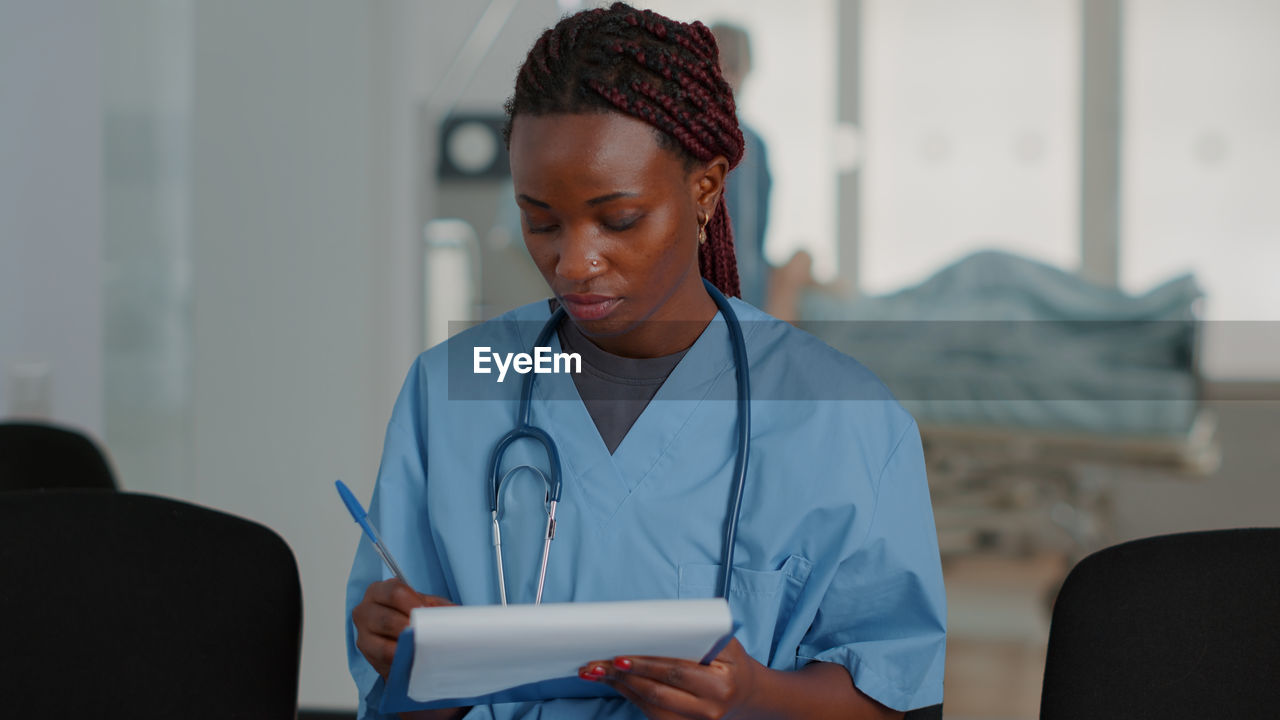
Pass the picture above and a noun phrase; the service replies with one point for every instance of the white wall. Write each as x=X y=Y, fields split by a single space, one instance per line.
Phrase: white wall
x=970 y=120
x=1243 y=492
x=50 y=204
x=282 y=206
x=307 y=194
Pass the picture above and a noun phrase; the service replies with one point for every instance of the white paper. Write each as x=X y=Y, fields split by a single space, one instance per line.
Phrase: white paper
x=466 y=651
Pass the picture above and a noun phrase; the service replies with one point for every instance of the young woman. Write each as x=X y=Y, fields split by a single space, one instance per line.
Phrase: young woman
x=622 y=135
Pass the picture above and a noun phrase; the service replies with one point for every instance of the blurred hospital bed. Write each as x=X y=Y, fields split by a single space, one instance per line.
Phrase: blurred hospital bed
x=1033 y=388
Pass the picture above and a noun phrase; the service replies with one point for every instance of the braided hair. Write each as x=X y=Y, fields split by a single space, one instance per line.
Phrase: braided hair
x=650 y=67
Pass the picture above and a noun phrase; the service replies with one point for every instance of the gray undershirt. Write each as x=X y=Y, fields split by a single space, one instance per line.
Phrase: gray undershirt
x=615 y=389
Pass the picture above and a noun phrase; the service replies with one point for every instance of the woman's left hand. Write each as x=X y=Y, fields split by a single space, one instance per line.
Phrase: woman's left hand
x=666 y=688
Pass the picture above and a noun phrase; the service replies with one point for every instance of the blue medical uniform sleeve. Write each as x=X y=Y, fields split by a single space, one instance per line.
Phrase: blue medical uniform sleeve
x=884 y=615
x=396 y=510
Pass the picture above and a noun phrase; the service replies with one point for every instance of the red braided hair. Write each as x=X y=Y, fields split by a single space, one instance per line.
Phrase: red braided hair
x=650 y=67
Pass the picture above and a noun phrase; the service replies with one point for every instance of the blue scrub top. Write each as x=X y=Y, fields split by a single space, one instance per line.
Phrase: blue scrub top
x=836 y=557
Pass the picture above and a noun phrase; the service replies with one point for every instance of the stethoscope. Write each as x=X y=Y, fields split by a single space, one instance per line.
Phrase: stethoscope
x=553 y=482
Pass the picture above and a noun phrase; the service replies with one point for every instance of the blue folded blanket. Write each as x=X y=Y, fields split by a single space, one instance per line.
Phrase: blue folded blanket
x=996 y=339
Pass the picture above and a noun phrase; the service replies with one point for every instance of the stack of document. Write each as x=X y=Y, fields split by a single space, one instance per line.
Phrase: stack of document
x=470 y=655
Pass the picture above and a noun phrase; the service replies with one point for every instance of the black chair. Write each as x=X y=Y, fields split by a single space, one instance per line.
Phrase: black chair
x=38 y=455
x=1171 y=627
x=134 y=606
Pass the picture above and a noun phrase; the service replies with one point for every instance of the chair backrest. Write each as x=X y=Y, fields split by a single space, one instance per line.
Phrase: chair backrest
x=38 y=455
x=125 y=605
x=1171 y=627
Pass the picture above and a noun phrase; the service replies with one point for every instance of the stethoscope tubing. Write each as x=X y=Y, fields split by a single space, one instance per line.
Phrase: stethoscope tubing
x=741 y=369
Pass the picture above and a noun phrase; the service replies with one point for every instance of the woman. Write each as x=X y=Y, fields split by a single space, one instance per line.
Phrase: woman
x=621 y=134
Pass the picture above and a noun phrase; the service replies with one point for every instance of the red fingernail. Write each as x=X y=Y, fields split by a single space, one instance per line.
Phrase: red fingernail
x=586 y=675
x=598 y=671
x=622 y=663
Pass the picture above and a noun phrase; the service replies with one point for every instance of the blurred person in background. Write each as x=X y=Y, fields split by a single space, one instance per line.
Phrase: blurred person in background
x=747 y=189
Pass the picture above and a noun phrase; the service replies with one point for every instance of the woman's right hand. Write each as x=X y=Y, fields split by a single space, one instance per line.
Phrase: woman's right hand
x=382 y=615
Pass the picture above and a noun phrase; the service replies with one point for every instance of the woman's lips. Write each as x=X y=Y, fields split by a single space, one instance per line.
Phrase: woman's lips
x=589 y=307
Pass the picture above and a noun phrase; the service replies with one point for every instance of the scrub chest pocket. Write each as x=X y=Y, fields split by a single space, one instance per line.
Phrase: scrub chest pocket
x=760 y=600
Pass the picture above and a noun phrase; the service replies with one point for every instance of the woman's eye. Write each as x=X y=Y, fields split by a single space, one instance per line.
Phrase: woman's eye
x=539 y=229
x=621 y=224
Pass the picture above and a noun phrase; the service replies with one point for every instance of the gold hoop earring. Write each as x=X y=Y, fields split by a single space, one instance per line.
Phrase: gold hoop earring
x=702 y=231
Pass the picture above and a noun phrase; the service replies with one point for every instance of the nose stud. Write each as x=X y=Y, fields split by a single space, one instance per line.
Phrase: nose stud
x=595 y=263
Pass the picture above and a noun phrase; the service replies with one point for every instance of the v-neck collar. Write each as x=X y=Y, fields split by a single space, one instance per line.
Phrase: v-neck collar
x=604 y=481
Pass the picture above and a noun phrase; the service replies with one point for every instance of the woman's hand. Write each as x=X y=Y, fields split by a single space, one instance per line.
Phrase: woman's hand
x=382 y=615
x=666 y=688
x=735 y=686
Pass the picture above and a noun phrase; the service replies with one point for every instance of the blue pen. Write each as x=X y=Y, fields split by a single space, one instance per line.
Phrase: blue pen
x=361 y=517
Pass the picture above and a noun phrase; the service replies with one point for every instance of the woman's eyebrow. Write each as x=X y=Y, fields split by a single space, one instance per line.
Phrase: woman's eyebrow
x=611 y=196
x=592 y=202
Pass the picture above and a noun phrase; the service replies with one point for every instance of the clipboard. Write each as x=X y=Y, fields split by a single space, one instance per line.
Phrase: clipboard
x=459 y=638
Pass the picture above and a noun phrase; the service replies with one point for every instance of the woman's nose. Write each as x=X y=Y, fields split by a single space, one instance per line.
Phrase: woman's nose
x=579 y=258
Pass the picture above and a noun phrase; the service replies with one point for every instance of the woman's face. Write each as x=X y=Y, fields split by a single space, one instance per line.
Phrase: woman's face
x=611 y=219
